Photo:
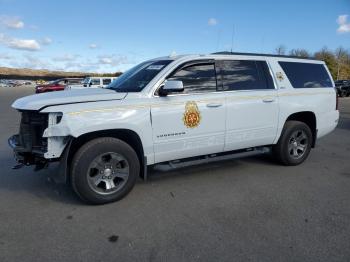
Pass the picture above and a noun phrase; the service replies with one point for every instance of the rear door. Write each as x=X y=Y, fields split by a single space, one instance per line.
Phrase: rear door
x=192 y=122
x=251 y=101
x=95 y=82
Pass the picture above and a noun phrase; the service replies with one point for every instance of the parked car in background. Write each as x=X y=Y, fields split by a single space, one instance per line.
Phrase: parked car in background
x=57 y=85
x=92 y=82
x=343 y=87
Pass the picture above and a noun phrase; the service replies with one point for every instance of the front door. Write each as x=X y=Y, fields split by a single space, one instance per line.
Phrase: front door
x=192 y=122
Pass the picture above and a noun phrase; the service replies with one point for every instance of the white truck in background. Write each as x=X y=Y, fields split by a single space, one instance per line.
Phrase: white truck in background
x=92 y=82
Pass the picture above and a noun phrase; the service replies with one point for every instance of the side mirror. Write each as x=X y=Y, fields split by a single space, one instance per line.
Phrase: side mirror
x=171 y=86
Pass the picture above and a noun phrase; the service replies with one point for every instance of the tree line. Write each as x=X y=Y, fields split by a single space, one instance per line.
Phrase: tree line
x=338 y=60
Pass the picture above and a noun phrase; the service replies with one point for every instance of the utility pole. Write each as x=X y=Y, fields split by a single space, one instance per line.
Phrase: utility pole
x=338 y=70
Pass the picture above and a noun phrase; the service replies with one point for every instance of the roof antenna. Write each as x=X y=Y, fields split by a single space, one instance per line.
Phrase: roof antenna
x=233 y=34
x=218 y=41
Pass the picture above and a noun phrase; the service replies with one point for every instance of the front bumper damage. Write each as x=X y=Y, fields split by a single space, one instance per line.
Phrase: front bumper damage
x=58 y=167
x=31 y=147
x=24 y=155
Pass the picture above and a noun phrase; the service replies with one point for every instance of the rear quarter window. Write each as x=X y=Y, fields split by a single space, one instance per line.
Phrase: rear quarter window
x=306 y=75
x=106 y=81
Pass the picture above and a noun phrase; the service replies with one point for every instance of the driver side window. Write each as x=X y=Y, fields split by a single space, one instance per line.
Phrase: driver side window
x=199 y=78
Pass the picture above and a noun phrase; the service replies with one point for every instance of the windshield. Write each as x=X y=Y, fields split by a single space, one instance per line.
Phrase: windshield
x=136 y=78
x=86 y=80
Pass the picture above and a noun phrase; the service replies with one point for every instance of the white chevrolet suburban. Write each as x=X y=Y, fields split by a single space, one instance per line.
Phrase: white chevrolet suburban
x=174 y=111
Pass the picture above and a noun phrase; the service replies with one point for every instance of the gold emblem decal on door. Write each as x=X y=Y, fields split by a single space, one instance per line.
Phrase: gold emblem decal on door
x=192 y=116
x=279 y=76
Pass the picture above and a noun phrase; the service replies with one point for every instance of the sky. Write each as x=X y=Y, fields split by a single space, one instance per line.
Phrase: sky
x=110 y=36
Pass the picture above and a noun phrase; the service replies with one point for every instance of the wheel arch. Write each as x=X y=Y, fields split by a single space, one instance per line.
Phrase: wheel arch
x=309 y=118
x=127 y=135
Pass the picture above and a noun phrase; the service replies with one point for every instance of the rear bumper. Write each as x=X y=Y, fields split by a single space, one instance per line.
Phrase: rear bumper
x=327 y=122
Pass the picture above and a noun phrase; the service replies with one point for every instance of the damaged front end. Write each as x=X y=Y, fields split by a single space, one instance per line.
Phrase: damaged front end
x=29 y=145
x=32 y=145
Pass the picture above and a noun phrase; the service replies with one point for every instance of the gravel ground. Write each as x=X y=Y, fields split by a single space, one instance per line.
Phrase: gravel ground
x=239 y=210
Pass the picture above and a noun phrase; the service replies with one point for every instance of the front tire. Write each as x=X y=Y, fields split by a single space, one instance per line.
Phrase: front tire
x=294 y=145
x=104 y=170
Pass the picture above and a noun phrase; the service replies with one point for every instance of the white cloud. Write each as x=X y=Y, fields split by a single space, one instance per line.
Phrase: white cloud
x=22 y=44
x=65 y=58
x=5 y=57
x=344 y=27
x=93 y=46
x=107 y=63
x=212 y=21
x=35 y=62
x=112 y=60
x=11 y=22
x=106 y=60
x=46 y=41
x=86 y=66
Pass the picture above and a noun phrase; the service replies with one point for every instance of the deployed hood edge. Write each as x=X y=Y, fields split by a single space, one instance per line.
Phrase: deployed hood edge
x=41 y=101
x=80 y=102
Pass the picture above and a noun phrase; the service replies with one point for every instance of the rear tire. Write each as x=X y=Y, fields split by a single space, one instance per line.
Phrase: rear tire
x=294 y=144
x=104 y=170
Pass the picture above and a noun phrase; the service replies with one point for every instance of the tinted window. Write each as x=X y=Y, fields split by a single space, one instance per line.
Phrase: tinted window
x=95 y=81
x=197 y=78
x=305 y=75
x=106 y=81
x=245 y=75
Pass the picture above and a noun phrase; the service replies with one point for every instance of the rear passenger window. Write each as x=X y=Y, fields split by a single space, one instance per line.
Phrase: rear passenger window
x=95 y=81
x=197 y=78
x=306 y=75
x=106 y=81
x=245 y=75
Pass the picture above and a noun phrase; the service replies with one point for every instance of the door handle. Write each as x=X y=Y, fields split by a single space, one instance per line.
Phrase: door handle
x=268 y=100
x=214 y=105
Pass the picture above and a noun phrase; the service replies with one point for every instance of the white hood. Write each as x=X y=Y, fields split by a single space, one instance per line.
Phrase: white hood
x=38 y=101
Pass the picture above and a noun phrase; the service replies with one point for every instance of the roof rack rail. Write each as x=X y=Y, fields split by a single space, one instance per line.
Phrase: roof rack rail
x=257 y=54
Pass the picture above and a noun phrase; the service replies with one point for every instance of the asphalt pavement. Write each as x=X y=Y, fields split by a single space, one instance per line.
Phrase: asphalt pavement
x=249 y=209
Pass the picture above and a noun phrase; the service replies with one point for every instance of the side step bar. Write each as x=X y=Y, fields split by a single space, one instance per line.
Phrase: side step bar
x=171 y=165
